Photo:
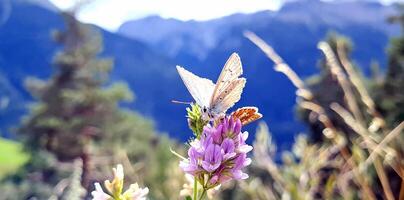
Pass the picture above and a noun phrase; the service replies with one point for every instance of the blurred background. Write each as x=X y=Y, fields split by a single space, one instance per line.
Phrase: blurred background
x=87 y=84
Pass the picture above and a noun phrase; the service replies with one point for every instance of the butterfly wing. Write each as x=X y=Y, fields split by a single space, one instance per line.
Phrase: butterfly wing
x=228 y=97
x=228 y=86
x=246 y=114
x=232 y=70
x=201 y=89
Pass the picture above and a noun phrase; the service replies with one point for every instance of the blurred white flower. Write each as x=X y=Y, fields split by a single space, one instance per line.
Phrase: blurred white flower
x=136 y=193
x=118 y=172
x=187 y=188
x=99 y=194
x=115 y=189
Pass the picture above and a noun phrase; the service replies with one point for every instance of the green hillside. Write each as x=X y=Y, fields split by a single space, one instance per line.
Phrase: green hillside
x=11 y=156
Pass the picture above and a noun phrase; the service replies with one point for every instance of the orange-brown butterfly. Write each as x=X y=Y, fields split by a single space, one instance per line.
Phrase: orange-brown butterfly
x=246 y=114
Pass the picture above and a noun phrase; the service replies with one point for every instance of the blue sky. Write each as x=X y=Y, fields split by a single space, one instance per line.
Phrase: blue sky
x=110 y=14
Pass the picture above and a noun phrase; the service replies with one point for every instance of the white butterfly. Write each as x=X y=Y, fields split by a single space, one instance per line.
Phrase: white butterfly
x=216 y=99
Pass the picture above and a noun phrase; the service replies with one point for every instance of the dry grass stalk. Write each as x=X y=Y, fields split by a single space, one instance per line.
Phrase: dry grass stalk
x=285 y=69
x=393 y=134
x=383 y=179
x=305 y=93
x=377 y=121
x=357 y=83
x=280 y=65
x=302 y=90
x=262 y=151
x=323 y=118
x=349 y=120
x=337 y=71
x=268 y=50
x=373 y=147
x=359 y=180
x=349 y=81
x=352 y=123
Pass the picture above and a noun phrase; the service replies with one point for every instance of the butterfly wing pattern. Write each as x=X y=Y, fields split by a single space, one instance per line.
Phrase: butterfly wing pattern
x=227 y=99
x=246 y=114
x=228 y=87
x=201 y=89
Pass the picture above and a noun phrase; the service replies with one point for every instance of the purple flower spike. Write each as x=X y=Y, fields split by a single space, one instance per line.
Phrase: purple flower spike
x=220 y=154
x=228 y=149
x=217 y=133
x=213 y=158
x=188 y=167
x=191 y=166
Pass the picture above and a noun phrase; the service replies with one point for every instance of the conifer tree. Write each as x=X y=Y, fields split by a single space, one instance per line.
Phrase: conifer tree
x=391 y=99
x=77 y=118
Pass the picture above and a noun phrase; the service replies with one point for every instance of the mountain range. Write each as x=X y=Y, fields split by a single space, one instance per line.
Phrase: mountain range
x=146 y=50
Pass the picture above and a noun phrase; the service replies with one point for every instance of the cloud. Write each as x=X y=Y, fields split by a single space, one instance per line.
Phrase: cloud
x=110 y=14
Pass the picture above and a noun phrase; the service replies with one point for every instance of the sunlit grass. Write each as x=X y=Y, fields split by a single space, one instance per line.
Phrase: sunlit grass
x=11 y=156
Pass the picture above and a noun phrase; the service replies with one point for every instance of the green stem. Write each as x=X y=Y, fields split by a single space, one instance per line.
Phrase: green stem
x=203 y=194
x=195 y=188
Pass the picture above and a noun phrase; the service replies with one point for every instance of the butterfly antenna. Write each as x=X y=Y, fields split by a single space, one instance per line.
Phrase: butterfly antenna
x=181 y=102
